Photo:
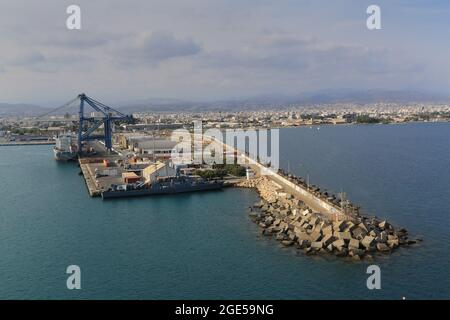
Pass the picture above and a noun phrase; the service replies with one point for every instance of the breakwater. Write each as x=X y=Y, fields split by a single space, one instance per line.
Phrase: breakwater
x=293 y=222
x=314 y=221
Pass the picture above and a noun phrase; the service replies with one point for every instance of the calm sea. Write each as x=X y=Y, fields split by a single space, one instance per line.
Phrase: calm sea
x=204 y=246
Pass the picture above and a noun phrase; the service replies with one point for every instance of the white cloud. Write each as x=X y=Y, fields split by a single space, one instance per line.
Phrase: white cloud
x=213 y=49
x=152 y=48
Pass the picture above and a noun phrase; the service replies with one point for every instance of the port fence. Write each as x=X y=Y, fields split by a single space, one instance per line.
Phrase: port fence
x=335 y=213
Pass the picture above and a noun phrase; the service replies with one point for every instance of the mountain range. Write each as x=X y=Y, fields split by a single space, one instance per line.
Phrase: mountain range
x=248 y=104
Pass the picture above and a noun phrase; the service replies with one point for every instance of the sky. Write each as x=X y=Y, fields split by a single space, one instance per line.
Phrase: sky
x=219 y=49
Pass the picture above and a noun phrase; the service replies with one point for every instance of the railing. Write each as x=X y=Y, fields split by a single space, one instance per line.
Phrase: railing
x=336 y=212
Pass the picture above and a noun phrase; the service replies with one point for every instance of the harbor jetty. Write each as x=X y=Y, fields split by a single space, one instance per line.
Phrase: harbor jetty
x=299 y=214
x=294 y=223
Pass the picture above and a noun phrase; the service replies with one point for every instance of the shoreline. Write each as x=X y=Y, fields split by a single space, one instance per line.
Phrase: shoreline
x=338 y=124
x=8 y=144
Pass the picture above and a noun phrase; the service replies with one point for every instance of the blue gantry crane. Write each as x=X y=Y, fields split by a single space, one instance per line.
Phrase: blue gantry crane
x=88 y=125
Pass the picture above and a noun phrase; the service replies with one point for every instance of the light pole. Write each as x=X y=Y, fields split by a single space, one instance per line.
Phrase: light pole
x=307 y=175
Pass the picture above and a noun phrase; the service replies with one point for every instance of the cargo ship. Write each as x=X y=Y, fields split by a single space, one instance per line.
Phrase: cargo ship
x=166 y=185
x=65 y=148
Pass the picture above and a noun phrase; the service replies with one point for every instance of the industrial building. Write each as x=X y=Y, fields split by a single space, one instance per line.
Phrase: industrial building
x=158 y=169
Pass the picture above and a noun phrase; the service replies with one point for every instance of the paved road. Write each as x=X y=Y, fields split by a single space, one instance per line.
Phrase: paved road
x=316 y=204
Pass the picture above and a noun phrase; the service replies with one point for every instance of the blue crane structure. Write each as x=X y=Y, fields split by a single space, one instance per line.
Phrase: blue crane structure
x=88 y=125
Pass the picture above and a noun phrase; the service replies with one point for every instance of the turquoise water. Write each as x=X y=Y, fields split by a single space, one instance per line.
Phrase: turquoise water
x=203 y=246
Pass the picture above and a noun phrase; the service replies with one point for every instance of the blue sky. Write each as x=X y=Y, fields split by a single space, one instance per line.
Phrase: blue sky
x=218 y=49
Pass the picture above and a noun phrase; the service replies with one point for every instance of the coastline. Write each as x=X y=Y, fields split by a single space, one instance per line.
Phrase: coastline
x=339 y=124
x=8 y=144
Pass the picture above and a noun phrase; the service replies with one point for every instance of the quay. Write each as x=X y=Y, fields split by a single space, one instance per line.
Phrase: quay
x=16 y=143
x=89 y=178
x=108 y=172
x=92 y=164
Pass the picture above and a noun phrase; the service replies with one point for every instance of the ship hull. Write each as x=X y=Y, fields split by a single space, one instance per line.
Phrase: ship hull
x=64 y=155
x=161 y=191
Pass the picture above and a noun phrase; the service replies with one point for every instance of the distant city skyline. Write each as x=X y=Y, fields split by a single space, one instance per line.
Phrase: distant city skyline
x=206 y=50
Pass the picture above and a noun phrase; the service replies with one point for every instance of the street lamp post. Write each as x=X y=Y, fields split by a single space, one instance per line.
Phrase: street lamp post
x=307 y=175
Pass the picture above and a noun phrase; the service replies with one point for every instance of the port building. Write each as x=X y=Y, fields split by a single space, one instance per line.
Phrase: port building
x=158 y=169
